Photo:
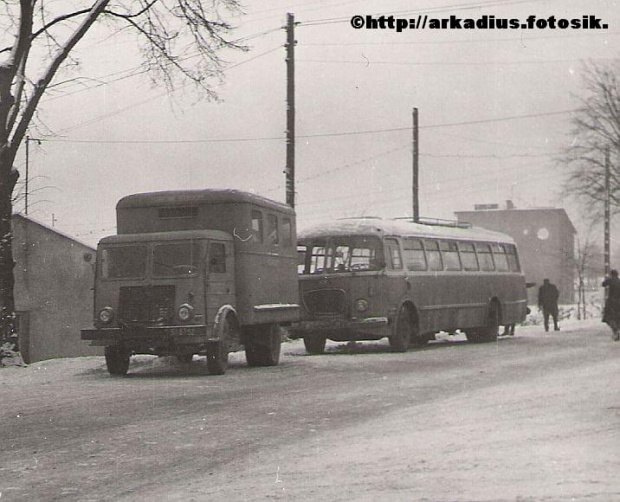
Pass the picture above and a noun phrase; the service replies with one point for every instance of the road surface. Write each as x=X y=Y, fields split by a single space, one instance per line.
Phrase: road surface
x=530 y=418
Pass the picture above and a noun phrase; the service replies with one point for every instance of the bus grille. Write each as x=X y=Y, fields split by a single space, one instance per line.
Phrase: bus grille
x=325 y=301
x=151 y=304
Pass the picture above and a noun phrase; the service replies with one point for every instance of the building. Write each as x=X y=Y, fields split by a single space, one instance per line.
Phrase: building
x=545 y=238
x=54 y=276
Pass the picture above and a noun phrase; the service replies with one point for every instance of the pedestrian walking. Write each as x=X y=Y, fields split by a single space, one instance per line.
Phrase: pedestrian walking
x=611 y=314
x=548 y=295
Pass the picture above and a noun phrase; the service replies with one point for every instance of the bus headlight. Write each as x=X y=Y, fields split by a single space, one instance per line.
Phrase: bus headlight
x=185 y=312
x=361 y=305
x=106 y=315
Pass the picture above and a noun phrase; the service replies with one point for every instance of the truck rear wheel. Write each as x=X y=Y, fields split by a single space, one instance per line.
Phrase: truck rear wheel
x=117 y=360
x=263 y=348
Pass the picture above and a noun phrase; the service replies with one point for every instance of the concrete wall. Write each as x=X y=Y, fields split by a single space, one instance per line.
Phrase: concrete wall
x=53 y=291
x=545 y=239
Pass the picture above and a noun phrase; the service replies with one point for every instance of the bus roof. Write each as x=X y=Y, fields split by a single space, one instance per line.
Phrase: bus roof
x=383 y=228
x=199 y=198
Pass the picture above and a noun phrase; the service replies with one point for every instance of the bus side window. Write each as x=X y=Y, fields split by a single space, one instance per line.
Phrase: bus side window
x=485 y=257
x=414 y=254
x=433 y=256
x=318 y=260
x=468 y=256
x=499 y=255
x=513 y=258
x=450 y=255
x=395 y=262
x=217 y=258
x=287 y=232
x=257 y=226
x=272 y=230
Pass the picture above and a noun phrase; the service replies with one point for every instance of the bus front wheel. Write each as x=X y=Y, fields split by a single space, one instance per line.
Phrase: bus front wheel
x=400 y=340
x=117 y=361
x=315 y=344
x=263 y=348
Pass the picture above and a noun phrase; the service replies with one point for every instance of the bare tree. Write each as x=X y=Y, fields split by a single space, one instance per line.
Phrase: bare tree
x=596 y=127
x=178 y=39
x=589 y=268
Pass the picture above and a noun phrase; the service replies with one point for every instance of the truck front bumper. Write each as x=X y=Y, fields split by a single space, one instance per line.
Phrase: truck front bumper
x=151 y=336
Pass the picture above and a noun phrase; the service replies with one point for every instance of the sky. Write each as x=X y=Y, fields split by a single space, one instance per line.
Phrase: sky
x=494 y=115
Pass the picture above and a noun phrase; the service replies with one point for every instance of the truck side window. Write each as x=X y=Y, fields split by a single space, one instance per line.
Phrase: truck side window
x=272 y=229
x=257 y=226
x=217 y=258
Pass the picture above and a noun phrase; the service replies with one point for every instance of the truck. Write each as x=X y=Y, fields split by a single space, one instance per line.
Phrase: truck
x=204 y=272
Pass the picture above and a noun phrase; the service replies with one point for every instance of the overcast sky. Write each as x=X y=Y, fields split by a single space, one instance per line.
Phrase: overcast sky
x=493 y=106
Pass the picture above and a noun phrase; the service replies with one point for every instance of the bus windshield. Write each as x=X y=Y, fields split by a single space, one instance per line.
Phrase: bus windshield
x=340 y=254
x=123 y=262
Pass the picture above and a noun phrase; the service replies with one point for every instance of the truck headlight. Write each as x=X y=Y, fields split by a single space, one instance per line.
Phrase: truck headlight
x=106 y=315
x=185 y=312
x=361 y=305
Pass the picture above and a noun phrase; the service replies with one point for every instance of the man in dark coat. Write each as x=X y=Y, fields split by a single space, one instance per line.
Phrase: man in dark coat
x=548 y=295
x=611 y=314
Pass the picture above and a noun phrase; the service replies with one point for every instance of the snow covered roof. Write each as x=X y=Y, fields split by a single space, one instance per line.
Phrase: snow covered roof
x=383 y=228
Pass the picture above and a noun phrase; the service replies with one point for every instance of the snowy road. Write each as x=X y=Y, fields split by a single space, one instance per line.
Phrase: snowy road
x=535 y=417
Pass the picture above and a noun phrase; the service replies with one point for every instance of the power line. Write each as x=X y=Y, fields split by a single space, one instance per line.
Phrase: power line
x=369 y=62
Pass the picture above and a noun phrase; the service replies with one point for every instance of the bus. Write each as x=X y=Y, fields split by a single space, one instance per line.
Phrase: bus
x=191 y=272
x=370 y=278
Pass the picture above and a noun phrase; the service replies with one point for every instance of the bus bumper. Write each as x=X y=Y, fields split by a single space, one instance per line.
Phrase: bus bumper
x=374 y=327
x=151 y=336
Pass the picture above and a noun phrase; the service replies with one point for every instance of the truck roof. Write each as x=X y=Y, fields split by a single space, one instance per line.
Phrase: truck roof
x=198 y=197
x=167 y=236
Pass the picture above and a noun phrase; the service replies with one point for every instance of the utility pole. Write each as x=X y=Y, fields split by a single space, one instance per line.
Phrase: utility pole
x=416 y=155
x=607 y=212
x=27 y=175
x=290 y=110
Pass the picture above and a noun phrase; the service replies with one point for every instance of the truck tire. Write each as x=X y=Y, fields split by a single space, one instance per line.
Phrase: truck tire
x=117 y=360
x=217 y=350
x=263 y=348
x=315 y=344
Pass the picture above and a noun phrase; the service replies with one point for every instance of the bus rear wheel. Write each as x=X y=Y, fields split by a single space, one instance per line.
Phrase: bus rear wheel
x=400 y=340
x=315 y=344
x=117 y=360
x=263 y=348
x=490 y=331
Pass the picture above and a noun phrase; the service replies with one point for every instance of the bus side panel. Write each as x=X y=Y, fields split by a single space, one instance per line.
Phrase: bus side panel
x=449 y=301
x=267 y=288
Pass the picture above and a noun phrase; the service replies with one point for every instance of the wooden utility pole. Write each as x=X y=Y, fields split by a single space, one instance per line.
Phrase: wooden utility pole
x=290 y=110
x=27 y=175
x=607 y=212
x=416 y=154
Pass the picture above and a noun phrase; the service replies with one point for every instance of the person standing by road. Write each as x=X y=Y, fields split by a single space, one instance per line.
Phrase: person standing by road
x=548 y=295
x=611 y=314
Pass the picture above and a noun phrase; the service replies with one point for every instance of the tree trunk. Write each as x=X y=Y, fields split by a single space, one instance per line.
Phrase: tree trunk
x=9 y=339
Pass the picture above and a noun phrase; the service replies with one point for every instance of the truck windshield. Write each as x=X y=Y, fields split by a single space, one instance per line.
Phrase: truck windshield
x=341 y=255
x=179 y=259
x=123 y=262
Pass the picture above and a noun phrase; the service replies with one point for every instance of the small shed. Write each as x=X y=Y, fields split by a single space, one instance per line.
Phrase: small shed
x=54 y=277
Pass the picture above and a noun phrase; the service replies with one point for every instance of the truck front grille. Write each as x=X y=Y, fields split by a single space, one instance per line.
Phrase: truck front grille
x=151 y=304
